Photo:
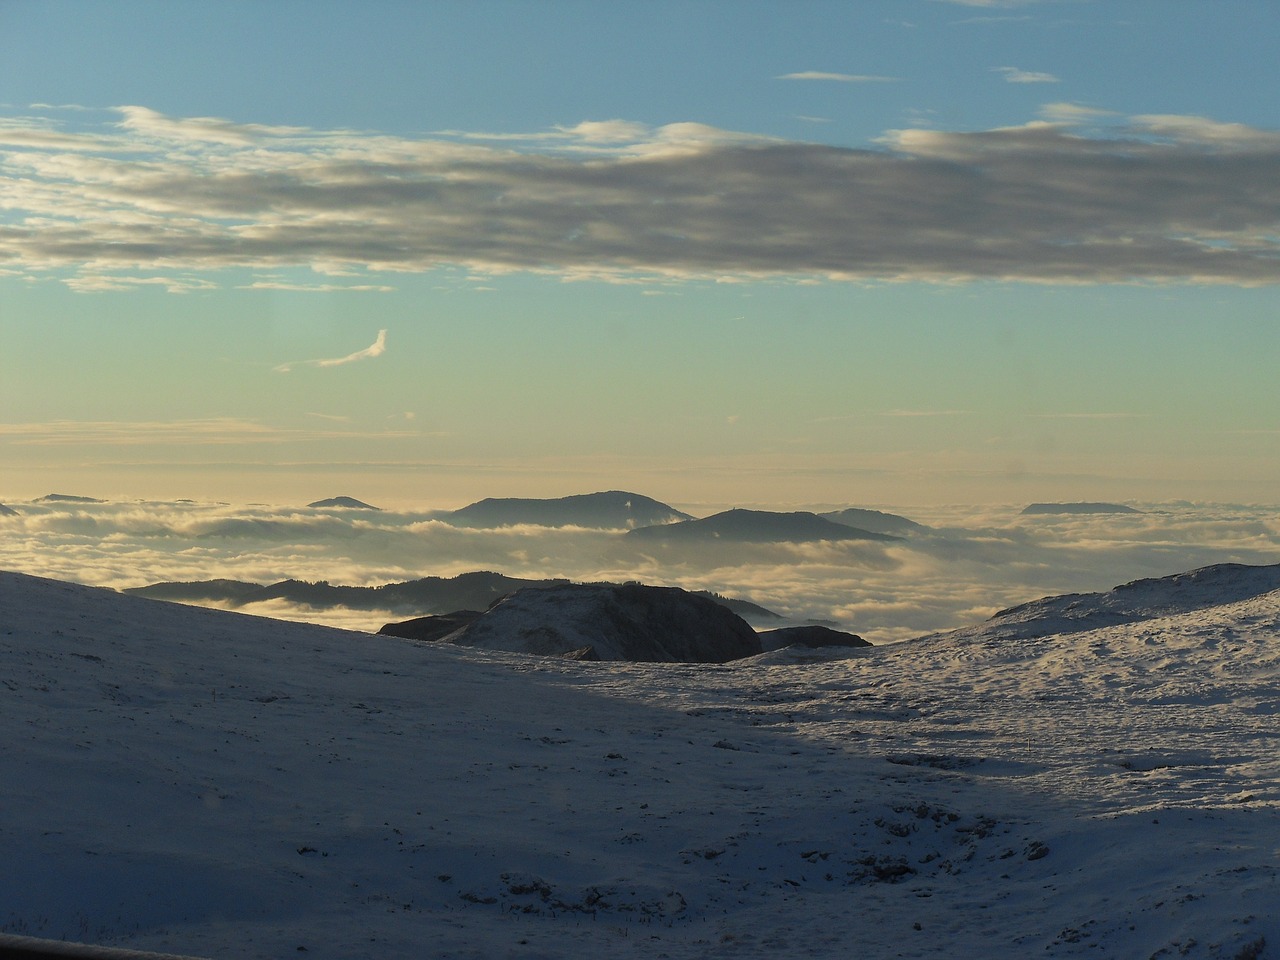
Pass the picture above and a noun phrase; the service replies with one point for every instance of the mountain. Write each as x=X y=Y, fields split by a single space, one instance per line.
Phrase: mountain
x=613 y=510
x=200 y=782
x=7 y=511
x=429 y=595
x=811 y=635
x=612 y=622
x=66 y=498
x=1077 y=508
x=757 y=526
x=1134 y=602
x=350 y=503
x=874 y=521
x=474 y=591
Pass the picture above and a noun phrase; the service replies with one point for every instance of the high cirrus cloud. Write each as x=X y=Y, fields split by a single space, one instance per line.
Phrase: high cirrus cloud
x=1060 y=200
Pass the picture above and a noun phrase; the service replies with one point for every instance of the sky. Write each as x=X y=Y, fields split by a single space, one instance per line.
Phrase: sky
x=884 y=253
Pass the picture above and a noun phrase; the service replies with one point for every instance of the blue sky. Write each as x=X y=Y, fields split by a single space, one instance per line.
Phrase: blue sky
x=911 y=251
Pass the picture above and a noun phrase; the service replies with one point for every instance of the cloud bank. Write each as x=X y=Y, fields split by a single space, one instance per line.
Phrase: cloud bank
x=971 y=564
x=1149 y=198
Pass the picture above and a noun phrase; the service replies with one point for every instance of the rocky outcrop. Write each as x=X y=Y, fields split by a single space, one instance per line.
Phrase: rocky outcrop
x=809 y=636
x=7 y=511
x=617 y=622
x=430 y=628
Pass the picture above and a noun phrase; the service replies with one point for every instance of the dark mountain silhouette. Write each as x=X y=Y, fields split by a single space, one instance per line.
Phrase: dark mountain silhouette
x=66 y=498
x=612 y=622
x=757 y=526
x=7 y=511
x=1078 y=508
x=874 y=521
x=612 y=510
x=809 y=636
x=348 y=502
x=430 y=595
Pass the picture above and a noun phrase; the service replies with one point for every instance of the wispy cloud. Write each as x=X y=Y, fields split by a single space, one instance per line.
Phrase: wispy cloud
x=317 y=287
x=375 y=349
x=838 y=77
x=924 y=413
x=1015 y=75
x=1088 y=416
x=155 y=200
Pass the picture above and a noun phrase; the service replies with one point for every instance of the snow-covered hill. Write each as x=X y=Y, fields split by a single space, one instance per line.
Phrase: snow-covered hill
x=202 y=782
x=1131 y=602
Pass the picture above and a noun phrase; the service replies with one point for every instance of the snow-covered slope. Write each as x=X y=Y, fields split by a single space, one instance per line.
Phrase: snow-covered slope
x=1131 y=602
x=201 y=782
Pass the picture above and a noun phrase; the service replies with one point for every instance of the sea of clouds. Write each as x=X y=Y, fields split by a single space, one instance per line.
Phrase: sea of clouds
x=971 y=562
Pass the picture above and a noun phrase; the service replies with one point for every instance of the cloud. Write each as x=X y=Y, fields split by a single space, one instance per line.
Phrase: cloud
x=316 y=287
x=974 y=562
x=1014 y=75
x=839 y=77
x=375 y=349
x=171 y=201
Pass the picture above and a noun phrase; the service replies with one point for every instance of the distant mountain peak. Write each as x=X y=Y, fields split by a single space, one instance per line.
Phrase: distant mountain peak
x=1078 y=508
x=758 y=526
x=67 y=498
x=350 y=503
x=609 y=510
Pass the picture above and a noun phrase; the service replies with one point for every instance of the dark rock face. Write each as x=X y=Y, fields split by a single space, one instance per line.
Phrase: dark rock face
x=809 y=636
x=757 y=526
x=7 y=511
x=430 y=628
x=612 y=510
x=350 y=503
x=627 y=622
x=1072 y=508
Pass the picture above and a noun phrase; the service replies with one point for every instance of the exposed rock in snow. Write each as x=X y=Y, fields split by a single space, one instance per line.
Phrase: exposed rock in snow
x=430 y=628
x=628 y=622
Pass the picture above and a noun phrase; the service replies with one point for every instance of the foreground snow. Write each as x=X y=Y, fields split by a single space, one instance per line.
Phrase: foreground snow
x=200 y=782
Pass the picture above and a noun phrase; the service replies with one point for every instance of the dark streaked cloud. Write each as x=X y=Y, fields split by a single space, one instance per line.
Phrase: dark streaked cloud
x=159 y=200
